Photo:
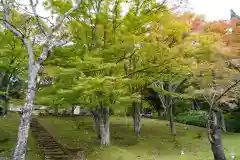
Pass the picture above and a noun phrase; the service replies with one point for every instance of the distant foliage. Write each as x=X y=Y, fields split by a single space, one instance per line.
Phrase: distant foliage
x=182 y=106
x=232 y=122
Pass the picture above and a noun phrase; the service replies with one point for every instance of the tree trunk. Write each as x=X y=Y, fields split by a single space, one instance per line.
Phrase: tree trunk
x=21 y=146
x=136 y=117
x=171 y=121
x=159 y=114
x=55 y=111
x=104 y=127
x=223 y=122
x=73 y=109
x=6 y=107
x=96 y=123
x=215 y=137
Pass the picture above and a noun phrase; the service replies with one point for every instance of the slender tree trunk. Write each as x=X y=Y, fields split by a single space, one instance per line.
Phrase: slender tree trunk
x=136 y=117
x=159 y=114
x=171 y=121
x=96 y=123
x=215 y=137
x=73 y=109
x=104 y=127
x=55 y=111
x=21 y=146
x=223 y=122
x=6 y=107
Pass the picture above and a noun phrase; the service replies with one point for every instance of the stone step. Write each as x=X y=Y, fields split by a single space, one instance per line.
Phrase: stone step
x=46 y=143
x=49 y=140
x=51 y=153
x=56 y=148
x=42 y=143
x=56 y=157
x=39 y=132
x=42 y=134
x=46 y=138
x=52 y=149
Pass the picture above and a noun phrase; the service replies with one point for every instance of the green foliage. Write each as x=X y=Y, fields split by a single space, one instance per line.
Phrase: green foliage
x=115 y=57
x=232 y=122
x=197 y=118
x=182 y=106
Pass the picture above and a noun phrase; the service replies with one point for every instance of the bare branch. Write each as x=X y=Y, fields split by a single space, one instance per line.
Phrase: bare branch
x=61 y=18
x=7 y=24
x=23 y=9
x=15 y=31
x=33 y=6
x=49 y=37
x=227 y=90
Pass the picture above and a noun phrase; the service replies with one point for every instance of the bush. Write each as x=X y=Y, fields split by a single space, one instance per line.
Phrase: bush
x=111 y=112
x=196 y=118
x=120 y=113
x=232 y=122
x=182 y=106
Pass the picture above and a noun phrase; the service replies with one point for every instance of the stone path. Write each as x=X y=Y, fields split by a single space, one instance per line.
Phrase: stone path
x=51 y=149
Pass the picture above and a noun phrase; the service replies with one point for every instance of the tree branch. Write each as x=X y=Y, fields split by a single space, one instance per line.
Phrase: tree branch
x=18 y=33
x=7 y=24
x=126 y=57
x=49 y=36
x=180 y=84
x=227 y=90
x=33 y=6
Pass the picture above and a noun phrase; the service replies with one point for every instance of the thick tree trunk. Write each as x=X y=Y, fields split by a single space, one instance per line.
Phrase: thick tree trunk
x=215 y=137
x=21 y=146
x=104 y=127
x=171 y=121
x=136 y=117
x=96 y=123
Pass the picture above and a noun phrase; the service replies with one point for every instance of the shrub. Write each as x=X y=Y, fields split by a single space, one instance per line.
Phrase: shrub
x=182 y=106
x=232 y=122
x=111 y=112
x=120 y=113
x=196 y=118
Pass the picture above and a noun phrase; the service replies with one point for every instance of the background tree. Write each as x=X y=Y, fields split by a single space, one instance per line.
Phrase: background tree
x=34 y=66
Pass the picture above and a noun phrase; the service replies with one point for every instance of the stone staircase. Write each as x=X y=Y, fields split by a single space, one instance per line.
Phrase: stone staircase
x=51 y=149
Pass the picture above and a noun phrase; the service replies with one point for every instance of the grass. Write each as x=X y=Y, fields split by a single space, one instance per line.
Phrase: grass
x=155 y=142
x=8 y=138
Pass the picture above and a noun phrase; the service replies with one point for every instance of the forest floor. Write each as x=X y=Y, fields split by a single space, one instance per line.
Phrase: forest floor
x=155 y=142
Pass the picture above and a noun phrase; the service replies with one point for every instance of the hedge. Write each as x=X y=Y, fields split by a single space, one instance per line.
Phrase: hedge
x=193 y=117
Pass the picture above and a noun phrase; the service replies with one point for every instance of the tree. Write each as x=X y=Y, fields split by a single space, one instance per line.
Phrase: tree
x=108 y=52
x=34 y=66
x=214 y=81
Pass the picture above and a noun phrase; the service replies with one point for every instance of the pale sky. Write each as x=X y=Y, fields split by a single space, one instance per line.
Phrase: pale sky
x=212 y=9
x=215 y=9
